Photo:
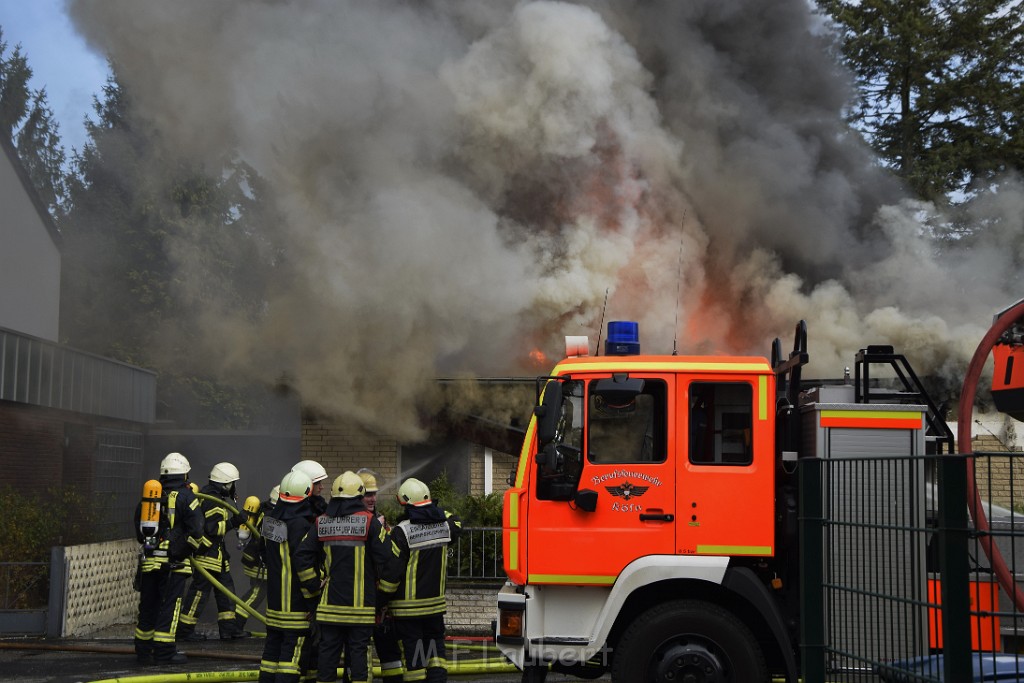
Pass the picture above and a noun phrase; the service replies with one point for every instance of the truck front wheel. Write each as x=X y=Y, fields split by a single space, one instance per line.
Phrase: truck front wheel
x=688 y=640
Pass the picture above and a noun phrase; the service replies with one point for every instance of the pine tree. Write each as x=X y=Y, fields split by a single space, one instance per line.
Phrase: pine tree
x=940 y=85
x=152 y=240
x=27 y=120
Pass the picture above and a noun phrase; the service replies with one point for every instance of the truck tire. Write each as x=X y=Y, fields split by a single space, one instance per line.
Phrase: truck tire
x=688 y=640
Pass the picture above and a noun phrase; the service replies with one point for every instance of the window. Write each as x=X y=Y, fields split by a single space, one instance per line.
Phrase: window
x=627 y=426
x=559 y=464
x=720 y=423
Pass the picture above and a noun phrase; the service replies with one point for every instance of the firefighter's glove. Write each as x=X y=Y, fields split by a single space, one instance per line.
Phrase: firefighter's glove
x=239 y=518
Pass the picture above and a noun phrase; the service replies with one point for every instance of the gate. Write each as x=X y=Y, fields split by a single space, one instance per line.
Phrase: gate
x=896 y=583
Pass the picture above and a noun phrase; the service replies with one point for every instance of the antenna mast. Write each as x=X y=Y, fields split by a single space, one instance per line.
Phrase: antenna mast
x=600 y=328
x=679 y=286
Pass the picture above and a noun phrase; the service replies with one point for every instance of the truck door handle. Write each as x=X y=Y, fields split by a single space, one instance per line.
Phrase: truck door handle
x=648 y=517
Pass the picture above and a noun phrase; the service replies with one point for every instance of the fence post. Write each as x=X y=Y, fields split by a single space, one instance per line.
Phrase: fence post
x=812 y=563
x=58 y=586
x=954 y=569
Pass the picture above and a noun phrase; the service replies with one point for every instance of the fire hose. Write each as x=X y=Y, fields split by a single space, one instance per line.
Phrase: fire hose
x=455 y=668
x=964 y=420
x=223 y=503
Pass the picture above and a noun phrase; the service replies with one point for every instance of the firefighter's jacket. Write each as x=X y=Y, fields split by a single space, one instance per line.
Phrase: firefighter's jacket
x=252 y=554
x=180 y=531
x=349 y=548
x=423 y=535
x=283 y=528
x=213 y=554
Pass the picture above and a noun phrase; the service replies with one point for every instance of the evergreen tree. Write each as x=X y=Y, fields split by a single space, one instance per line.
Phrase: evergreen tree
x=152 y=239
x=940 y=87
x=27 y=120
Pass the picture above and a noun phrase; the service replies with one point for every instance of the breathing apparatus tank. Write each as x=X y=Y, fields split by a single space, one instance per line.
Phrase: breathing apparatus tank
x=149 y=519
x=252 y=506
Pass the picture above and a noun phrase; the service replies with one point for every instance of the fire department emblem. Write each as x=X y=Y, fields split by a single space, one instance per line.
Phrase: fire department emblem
x=625 y=490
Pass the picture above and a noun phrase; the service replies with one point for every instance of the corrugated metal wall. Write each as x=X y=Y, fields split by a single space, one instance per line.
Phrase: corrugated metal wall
x=38 y=372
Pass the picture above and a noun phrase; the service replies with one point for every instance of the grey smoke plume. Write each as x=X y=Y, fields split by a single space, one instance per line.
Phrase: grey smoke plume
x=463 y=183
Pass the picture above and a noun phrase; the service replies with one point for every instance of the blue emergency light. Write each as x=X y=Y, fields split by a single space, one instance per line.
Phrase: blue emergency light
x=623 y=339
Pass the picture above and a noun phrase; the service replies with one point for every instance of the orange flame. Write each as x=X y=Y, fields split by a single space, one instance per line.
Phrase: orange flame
x=538 y=358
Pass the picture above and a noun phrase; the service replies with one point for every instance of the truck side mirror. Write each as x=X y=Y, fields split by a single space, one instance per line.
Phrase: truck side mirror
x=548 y=412
x=586 y=500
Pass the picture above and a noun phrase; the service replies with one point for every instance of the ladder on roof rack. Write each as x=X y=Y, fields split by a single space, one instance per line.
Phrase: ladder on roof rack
x=938 y=433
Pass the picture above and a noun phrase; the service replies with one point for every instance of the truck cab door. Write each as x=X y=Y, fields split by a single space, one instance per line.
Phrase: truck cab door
x=618 y=453
x=726 y=476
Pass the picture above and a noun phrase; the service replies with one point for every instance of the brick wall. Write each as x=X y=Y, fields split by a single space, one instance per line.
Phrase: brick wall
x=1000 y=479
x=471 y=608
x=341 y=446
x=40 y=447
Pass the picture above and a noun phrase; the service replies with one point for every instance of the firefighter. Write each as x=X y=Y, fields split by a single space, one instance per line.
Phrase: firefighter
x=252 y=564
x=213 y=557
x=352 y=555
x=385 y=638
x=287 y=652
x=318 y=475
x=164 y=566
x=423 y=534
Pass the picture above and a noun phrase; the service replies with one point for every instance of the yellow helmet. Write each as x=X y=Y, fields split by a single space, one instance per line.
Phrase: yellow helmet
x=369 y=481
x=295 y=487
x=413 y=492
x=348 y=485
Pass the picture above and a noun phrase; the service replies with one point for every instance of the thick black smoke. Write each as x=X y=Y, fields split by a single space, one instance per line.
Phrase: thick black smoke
x=465 y=182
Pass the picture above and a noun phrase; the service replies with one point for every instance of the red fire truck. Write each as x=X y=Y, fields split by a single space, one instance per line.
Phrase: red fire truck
x=651 y=525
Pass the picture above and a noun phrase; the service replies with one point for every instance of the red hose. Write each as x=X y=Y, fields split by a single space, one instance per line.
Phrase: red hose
x=965 y=415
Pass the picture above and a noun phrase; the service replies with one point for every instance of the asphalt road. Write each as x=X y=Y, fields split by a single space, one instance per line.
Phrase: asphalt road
x=38 y=660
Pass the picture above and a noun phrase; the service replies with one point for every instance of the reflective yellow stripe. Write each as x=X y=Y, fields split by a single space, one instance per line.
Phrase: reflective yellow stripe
x=874 y=414
x=524 y=454
x=574 y=579
x=513 y=510
x=663 y=366
x=734 y=550
x=513 y=550
x=359 y=578
x=762 y=397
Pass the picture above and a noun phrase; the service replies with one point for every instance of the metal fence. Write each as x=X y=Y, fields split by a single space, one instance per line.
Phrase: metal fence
x=898 y=581
x=25 y=589
x=477 y=555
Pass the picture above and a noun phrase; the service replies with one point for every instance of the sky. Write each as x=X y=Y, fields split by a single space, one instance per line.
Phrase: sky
x=60 y=60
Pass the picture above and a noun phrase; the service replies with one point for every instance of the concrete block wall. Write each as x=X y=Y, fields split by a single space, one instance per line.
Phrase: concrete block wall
x=99 y=593
x=98 y=586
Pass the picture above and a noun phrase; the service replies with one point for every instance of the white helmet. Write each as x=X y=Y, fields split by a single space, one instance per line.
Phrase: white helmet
x=224 y=473
x=413 y=492
x=348 y=485
x=295 y=487
x=312 y=469
x=274 y=493
x=174 y=463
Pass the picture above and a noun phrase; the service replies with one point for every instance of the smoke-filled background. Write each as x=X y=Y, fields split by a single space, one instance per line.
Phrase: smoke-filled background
x=462 y=184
